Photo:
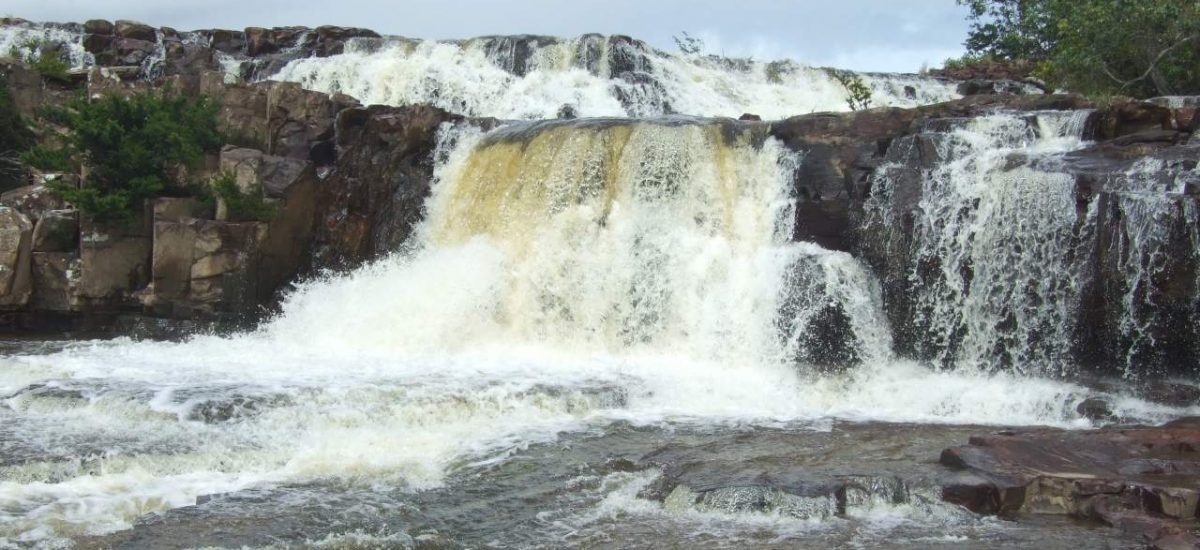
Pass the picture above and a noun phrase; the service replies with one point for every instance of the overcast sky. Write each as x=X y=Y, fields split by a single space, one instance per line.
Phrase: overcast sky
x=873 y=35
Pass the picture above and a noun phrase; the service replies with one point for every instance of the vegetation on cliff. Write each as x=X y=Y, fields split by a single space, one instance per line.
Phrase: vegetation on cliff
x=1128 y=47
x=15 y=137
x=241 y=205
x=133 y=148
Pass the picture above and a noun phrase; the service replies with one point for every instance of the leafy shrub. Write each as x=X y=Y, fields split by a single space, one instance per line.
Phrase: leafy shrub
x=249 y=206
x=48 y=62
x=47 y=159
x=859 y=94
x=15 y=136
x=131 y=146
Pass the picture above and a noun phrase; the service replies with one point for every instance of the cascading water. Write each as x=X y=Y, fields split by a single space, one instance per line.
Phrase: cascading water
x=593 y=75
x=526 y=77
x=991 y=252
x=583 y=288
x=570 y=277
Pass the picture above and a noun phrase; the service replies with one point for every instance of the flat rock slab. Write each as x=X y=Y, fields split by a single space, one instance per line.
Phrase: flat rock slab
x=1140 y=479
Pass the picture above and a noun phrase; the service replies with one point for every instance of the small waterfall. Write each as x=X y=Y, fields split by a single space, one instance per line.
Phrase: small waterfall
x=1005 y=247
x=30 y=40
x=990 y=261
x=1157 y=232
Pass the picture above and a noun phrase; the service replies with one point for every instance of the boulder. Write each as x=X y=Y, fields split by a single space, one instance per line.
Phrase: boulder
x=131 y=51
x=56 y=231
x=125 y=28
x=99 y=26
x=206 y=267
x=16 y=256
x=260 y=41
x=32 y=200
x=1094 y=408
x=243 y=164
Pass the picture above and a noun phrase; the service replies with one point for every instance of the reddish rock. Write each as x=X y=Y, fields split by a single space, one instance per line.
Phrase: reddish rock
x=1086 y=474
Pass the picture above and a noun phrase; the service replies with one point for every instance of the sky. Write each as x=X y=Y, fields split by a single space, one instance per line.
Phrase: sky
x=868 y=35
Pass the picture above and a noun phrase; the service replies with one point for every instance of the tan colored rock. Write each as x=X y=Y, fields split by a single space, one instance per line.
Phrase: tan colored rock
x=176 y=209
x=171 y=267
x=16 y=240
x=114 y=263
x=32 y=200
x=24 y=85
x=243 y=163
x=224 y=271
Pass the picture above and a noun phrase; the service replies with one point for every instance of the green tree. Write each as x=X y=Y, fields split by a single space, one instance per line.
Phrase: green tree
x=132 y=147
x=1132 y=47
x=15 y=137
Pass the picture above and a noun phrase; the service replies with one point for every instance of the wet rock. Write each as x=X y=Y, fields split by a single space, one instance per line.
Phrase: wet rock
x=1172 y=394
x=233 y=408
x=1127 y=118
x=1098 y=474
x=750 y=117
x=132 y=52
x=990 y=87
x=567 y=112
x=228 y=41
x=1094 y=408
x=375 y=198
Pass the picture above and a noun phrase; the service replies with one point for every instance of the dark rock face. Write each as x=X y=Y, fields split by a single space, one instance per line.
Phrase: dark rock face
x=385 y=167
x=844 y=154
x=1142 y=480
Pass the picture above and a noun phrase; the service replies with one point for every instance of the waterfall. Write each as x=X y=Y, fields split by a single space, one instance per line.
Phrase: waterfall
x=619 y=235
x=593 y=75
x=1000 y=260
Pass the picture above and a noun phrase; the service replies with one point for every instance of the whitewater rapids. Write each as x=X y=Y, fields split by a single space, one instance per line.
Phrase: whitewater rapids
x=568 y=278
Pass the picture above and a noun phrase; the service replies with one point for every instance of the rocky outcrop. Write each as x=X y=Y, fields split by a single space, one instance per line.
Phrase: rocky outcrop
x=370 y=204
x=1139 y=479
x=1136 y=142
x=842 y=151
x=16 y=258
